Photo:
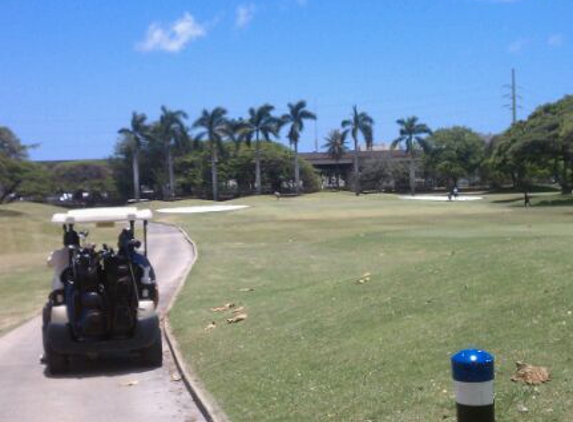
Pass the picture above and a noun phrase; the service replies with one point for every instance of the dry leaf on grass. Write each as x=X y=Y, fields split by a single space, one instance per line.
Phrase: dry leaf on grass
x=239 y=309
x=364 y=279
x=247 y=289
x=223 y=308
x=237 y=318
x=529 y=374
x=210 y=327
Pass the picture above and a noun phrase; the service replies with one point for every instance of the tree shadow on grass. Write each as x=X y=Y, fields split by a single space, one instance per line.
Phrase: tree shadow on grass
x=556 y=202
x=508 y=201
x=10 y=213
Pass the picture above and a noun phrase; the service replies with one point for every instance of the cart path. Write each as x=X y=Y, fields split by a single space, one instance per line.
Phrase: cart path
x=112 y=390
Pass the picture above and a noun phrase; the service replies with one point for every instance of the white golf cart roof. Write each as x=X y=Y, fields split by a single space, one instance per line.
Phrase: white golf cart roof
x=102 y=215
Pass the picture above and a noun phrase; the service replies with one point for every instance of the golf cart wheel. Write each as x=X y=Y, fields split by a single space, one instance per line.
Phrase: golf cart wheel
x=153 y=355
x=56 y=362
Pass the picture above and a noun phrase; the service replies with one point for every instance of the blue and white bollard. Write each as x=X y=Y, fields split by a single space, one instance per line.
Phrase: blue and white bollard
x=473 y=374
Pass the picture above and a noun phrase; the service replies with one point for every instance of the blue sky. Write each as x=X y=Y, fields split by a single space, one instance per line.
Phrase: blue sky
x=73 y=71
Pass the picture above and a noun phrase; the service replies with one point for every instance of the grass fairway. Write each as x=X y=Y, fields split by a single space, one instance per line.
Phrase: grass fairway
x=318 y=346
x=25 y=242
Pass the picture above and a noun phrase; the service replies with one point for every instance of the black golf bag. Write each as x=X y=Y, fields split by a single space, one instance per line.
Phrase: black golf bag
x=86 y=296
x=102 y=300
x=122 y=291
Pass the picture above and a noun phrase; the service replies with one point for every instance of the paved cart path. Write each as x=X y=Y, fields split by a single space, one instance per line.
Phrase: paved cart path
x=115 y=389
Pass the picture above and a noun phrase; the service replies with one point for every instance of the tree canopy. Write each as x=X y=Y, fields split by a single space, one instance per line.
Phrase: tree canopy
x=455 y=153
x=539 y=145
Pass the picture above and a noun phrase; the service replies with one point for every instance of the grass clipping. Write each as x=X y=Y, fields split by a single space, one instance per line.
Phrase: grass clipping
x=530 y=375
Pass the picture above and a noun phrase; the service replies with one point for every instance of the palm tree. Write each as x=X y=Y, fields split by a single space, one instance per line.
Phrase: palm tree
x=261 y=125
x=216 y=127
x=136 y=135
x=296 y=116
x=172 y=132
x=235 y=132
x=336 y=147
x=359 y=123
x=411 y=135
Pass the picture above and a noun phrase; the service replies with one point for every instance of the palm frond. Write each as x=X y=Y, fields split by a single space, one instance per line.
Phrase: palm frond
x=397 y=142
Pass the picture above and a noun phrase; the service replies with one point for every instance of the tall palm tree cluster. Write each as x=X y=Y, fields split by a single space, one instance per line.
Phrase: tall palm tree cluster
x=169 y=135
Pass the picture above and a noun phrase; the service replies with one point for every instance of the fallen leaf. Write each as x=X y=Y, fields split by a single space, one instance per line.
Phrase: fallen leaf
x=247 y=289
x=175 y=377
x=129 y=383
x=521 y=408
x=223 y=308
x=239 y=309
x=531 y=375
x=210 y=327
x=237 y=318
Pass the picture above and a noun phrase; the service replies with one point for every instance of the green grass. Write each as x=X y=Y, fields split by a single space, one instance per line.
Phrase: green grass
x=317 y=346
x=25 y=242
x=27 y=238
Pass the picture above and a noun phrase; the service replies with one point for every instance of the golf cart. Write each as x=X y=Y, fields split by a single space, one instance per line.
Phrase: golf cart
x=108 y=302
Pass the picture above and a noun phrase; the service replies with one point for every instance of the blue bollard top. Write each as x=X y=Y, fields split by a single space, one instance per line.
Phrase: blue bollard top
x=472 y=365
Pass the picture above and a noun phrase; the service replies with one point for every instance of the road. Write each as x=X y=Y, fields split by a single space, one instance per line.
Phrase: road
x=115 y=389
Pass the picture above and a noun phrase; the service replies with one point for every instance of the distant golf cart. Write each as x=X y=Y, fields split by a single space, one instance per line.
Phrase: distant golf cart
x=108 y=301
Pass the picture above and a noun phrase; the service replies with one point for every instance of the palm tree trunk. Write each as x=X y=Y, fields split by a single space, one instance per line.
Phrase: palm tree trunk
x=166 y=187
x=258 y=165
x=296 y=169
x=412 y=175
x=214 y=172
x=135 y=163
x=171 y=174
x=356 y=175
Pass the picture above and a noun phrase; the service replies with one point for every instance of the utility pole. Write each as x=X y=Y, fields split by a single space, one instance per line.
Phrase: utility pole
x=513 y=96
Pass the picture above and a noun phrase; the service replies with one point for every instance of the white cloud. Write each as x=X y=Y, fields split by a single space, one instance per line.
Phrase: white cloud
x=555 y=40
x=517 y=45
x=174 y=37
x=244 y=15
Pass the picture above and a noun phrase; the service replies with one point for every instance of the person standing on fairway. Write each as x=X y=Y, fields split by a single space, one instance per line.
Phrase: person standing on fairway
x=526 y=200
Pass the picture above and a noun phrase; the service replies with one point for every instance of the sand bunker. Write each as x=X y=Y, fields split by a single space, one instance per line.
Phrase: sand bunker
x=441 y=198
x=201 y=209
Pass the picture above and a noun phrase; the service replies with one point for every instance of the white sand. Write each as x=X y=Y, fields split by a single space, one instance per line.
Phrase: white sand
x=441 y=198
x=201 y=209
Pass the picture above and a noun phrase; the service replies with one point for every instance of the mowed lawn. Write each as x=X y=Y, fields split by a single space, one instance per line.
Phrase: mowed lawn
x=26 y=239
x=320 y=346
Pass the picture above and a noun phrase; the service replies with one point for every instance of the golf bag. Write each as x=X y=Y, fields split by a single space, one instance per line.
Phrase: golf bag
x=122 y=293
x=86 y=296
